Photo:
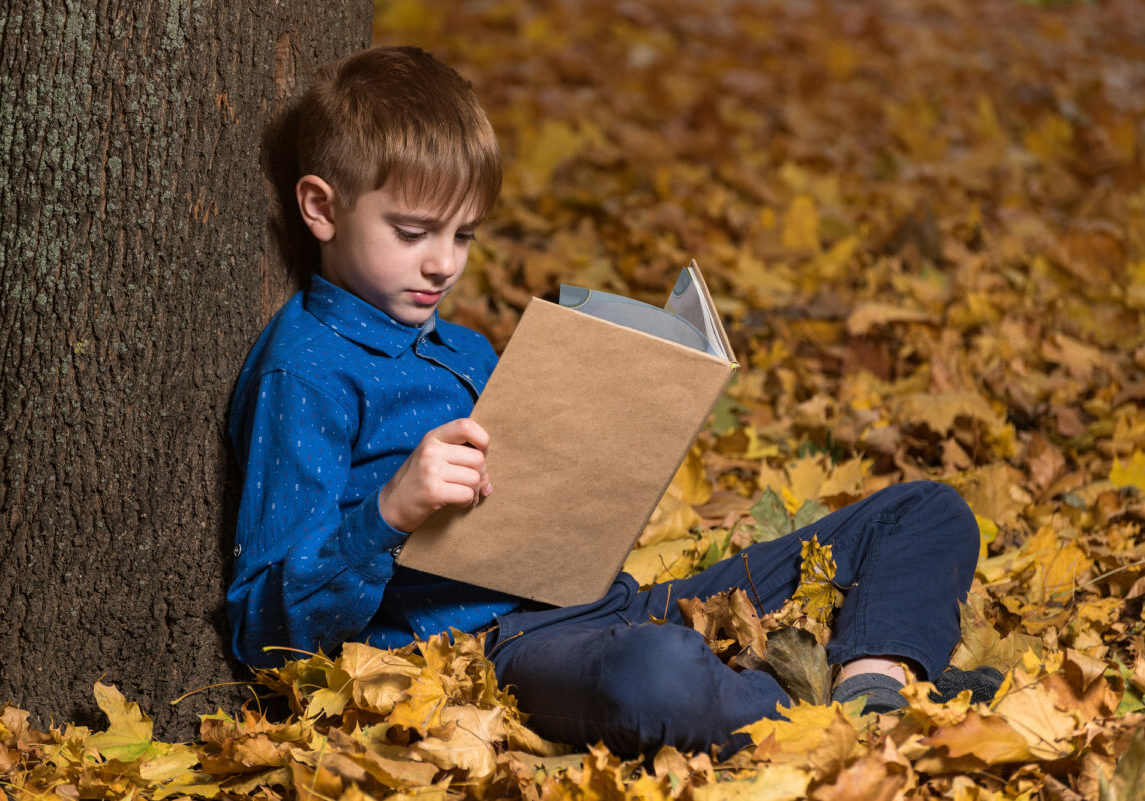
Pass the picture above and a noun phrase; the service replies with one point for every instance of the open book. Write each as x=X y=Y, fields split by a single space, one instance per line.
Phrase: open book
x=590 y=412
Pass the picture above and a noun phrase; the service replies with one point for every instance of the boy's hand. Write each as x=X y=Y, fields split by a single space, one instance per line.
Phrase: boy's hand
x=447 y=468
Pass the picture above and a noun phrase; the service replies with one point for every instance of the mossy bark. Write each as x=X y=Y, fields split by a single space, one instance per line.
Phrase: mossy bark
x=137 y=269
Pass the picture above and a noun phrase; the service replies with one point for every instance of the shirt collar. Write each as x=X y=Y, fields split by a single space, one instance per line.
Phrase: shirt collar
x=355 y=319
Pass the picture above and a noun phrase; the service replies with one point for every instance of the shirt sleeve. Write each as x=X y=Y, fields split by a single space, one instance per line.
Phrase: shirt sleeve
x=309 y=572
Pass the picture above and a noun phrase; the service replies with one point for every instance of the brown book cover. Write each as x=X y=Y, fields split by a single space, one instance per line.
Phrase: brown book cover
x=588 y=422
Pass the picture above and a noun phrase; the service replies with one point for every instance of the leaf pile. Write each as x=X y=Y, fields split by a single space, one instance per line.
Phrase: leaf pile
x=924 y=221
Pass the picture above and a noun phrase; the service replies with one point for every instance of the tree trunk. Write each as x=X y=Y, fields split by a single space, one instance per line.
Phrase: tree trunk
x=137 y=271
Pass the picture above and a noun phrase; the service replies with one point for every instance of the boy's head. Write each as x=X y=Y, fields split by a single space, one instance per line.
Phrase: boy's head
x=396 y=117
x=399 y=163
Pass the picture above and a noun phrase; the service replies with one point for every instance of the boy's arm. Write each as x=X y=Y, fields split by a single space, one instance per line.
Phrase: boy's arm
x=307 y=574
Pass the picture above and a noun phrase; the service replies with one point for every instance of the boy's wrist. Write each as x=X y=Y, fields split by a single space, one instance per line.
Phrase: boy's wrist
x=392 y=516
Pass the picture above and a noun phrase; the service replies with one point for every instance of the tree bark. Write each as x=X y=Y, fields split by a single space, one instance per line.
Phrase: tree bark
x=137 y=270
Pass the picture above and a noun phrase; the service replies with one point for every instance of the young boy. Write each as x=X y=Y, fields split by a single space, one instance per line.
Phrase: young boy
x=350 y=423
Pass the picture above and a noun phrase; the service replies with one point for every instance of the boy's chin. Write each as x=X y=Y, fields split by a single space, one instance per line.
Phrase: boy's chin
x=413 y=316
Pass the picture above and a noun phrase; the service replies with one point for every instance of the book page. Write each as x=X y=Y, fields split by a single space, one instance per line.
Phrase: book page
x=663 y=323
x=689 y=301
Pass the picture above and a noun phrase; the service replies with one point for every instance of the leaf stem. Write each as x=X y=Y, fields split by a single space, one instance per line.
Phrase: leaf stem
x=297 y=651
x=746 y=569
x=189 y=693
x=1112 y=572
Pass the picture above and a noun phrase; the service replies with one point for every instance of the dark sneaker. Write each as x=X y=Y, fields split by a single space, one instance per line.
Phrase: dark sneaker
x=983 y=682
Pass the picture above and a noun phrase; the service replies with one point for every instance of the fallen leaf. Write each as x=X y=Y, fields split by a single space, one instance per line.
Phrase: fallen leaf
x=817 y=591
x=800 y=664
x=769 y=783
x=128 y=735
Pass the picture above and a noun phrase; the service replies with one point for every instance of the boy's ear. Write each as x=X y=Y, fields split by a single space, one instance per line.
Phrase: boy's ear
x=316 y=203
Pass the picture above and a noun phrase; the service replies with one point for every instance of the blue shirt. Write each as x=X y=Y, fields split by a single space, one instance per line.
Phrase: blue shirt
x=333 y=397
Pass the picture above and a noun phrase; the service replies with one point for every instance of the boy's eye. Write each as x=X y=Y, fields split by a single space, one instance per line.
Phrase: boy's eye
x=409 y=236
x=465 y=236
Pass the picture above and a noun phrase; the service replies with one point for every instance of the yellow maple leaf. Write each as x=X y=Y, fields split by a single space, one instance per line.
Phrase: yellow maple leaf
x=846 y=478
x=671 y=519
x=663 y=561
x=981 y=644
x=940 y=410
x=987 y=533
x=1099 y=610
x=773 y=477
x=422 y=704
x=314 y=782
x=329 y=701
x=817 y=590
x=987 y=737
x=466 y=740
x=804 y=478
x=1032 y=713
x=801 y=225
x=873 y=314
x=378 y=677
x=690 y=483
x=1058 y=565
x=934 y=714
x=833 y=264
x=757 y=447
x=785 y=782
x=993 y=492
x=805 y=730
x=1131 y=473
x=648 y=788
x=871 y=777
x=764 y=285
x=601 y=775
x=790 y=502
x=128 y=735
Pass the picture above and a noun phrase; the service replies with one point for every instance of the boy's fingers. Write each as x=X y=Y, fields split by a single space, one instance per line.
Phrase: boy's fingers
x=472 y=480
x=464 y=456
x=464 y=490
x=464 y=431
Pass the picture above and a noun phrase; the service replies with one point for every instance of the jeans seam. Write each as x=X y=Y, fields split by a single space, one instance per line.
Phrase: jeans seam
x=874 y=550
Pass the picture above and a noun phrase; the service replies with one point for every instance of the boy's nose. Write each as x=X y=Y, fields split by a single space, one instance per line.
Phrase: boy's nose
x=441 y=264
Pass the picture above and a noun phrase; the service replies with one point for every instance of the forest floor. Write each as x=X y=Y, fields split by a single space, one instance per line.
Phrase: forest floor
x=924 y=223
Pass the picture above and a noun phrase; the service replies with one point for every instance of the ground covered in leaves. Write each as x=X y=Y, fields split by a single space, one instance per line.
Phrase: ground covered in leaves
x=925 y=225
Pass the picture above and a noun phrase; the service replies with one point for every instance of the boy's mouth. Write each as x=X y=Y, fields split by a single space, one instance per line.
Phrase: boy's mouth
x=425 y=297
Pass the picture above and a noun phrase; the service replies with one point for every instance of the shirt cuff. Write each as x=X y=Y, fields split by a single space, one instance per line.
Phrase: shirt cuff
x=368 y=543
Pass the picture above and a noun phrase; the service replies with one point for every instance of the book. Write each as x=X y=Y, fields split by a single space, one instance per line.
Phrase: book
x=590 y=412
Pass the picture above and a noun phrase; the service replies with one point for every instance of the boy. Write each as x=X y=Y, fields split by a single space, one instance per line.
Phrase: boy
x=349 y=420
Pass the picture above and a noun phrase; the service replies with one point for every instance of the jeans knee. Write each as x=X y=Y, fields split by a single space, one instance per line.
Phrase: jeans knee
x=947 y=504
x=661 y=688
x=953 y=522
x=654 y=667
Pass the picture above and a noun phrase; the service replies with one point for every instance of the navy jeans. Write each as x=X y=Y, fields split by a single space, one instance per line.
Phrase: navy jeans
x=602 y=672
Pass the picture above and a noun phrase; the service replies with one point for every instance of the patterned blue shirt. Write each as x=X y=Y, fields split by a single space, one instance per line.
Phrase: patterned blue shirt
x=333 y=397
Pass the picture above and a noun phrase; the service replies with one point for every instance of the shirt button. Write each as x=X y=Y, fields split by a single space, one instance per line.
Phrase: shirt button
x=238 y=550
x=397 y=549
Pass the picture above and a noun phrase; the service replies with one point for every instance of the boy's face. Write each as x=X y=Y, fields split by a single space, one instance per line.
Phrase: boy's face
x=400 y=258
